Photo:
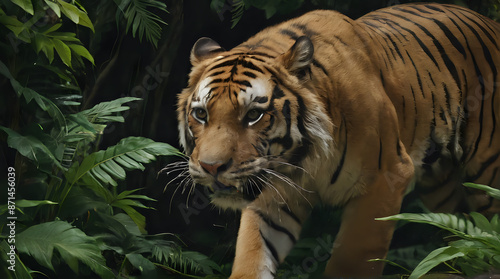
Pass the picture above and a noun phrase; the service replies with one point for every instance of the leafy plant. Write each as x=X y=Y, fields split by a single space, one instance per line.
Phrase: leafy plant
x=269 y=7
x=474 y=247
x=142 y=21
x=75 y=215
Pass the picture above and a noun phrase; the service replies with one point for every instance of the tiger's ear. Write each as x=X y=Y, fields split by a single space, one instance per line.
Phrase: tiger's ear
x=204 y=48
x=299 y=56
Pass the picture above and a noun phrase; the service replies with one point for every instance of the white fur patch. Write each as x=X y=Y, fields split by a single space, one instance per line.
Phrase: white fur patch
x=202 y=95
x=259 y=88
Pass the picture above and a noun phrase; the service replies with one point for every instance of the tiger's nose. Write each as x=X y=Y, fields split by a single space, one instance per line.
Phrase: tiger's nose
x=215 y=168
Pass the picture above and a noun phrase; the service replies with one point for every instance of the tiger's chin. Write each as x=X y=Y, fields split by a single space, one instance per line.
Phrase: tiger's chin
x=231 y=197
x=225 y=200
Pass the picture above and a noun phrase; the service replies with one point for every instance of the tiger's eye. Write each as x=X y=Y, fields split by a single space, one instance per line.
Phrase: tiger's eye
x=253 y=116
x=200 y=114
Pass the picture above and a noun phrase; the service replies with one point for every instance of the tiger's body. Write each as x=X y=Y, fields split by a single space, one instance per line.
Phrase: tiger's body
x=325 y=109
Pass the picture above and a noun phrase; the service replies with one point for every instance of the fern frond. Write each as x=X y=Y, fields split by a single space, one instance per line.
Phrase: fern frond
x=106 y=166
x=237 y=12
x=104 y=112
x=144 y=22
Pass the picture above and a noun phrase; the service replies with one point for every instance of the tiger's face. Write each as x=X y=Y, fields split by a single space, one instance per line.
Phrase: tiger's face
x=243 y=119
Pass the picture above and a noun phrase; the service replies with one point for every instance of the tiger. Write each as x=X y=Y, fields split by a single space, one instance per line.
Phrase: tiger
x=324 y=109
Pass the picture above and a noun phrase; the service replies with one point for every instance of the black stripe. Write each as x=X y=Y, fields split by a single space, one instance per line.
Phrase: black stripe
x=493 y=177
x=278 y=92
x=420 y=10
x=320 y=66
x=289 y=33
x=492 y=40
x=224 y=64
x=302 y=27
x=454 y=41
x=342 y=159
x=434 y=8
x=447 y=61
x=286 y=141
x=249 y=74
x=374 y=28
x=419 y=80
x=260 y=99
x=276 y=227
x=430 y=77
x=415 y=116
x=483 y=168
x=245 y=83
x=271 y=248
x=417 y=38
x=216 y=73
x=488 y=58
x=448 y=98
x=291 y=214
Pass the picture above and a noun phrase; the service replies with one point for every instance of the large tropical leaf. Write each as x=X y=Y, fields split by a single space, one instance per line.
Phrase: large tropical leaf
x=73 y=245
x=30 y=94
x=33 y=149
x=435 y=258
x=455 y=224
x=107 y=166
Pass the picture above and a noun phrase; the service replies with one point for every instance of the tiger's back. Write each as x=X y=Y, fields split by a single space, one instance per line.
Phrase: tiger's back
x=438 y=66
x=352 y=113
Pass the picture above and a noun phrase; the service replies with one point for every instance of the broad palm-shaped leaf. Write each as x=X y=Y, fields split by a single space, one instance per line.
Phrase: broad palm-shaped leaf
x=39 y=241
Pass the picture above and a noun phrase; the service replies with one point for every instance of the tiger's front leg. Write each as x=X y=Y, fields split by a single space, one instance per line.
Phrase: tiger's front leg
x=361 y=237
x=266 y=235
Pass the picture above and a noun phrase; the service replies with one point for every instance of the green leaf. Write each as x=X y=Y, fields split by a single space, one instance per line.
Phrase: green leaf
x=13 y=24
x=76 y=15
x=100 y=112
x=435 y=258
x=25 y=203
x=481 y=222
x=63 y=50
x=39 y=241
x=495 y=193
x=26 y=5
x=82 y=51
x=144 y=22
x=54 y=6
x=445 y=221
x=31 y=148
x=135 y=148
x=29 y=94
x=20 y=271
x=145 y=266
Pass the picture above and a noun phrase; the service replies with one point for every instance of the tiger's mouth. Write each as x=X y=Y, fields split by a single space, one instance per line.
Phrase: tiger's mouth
x=236 y=195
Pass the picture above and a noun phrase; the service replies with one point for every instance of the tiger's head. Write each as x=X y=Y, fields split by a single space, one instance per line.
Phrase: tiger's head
x=250 y=117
